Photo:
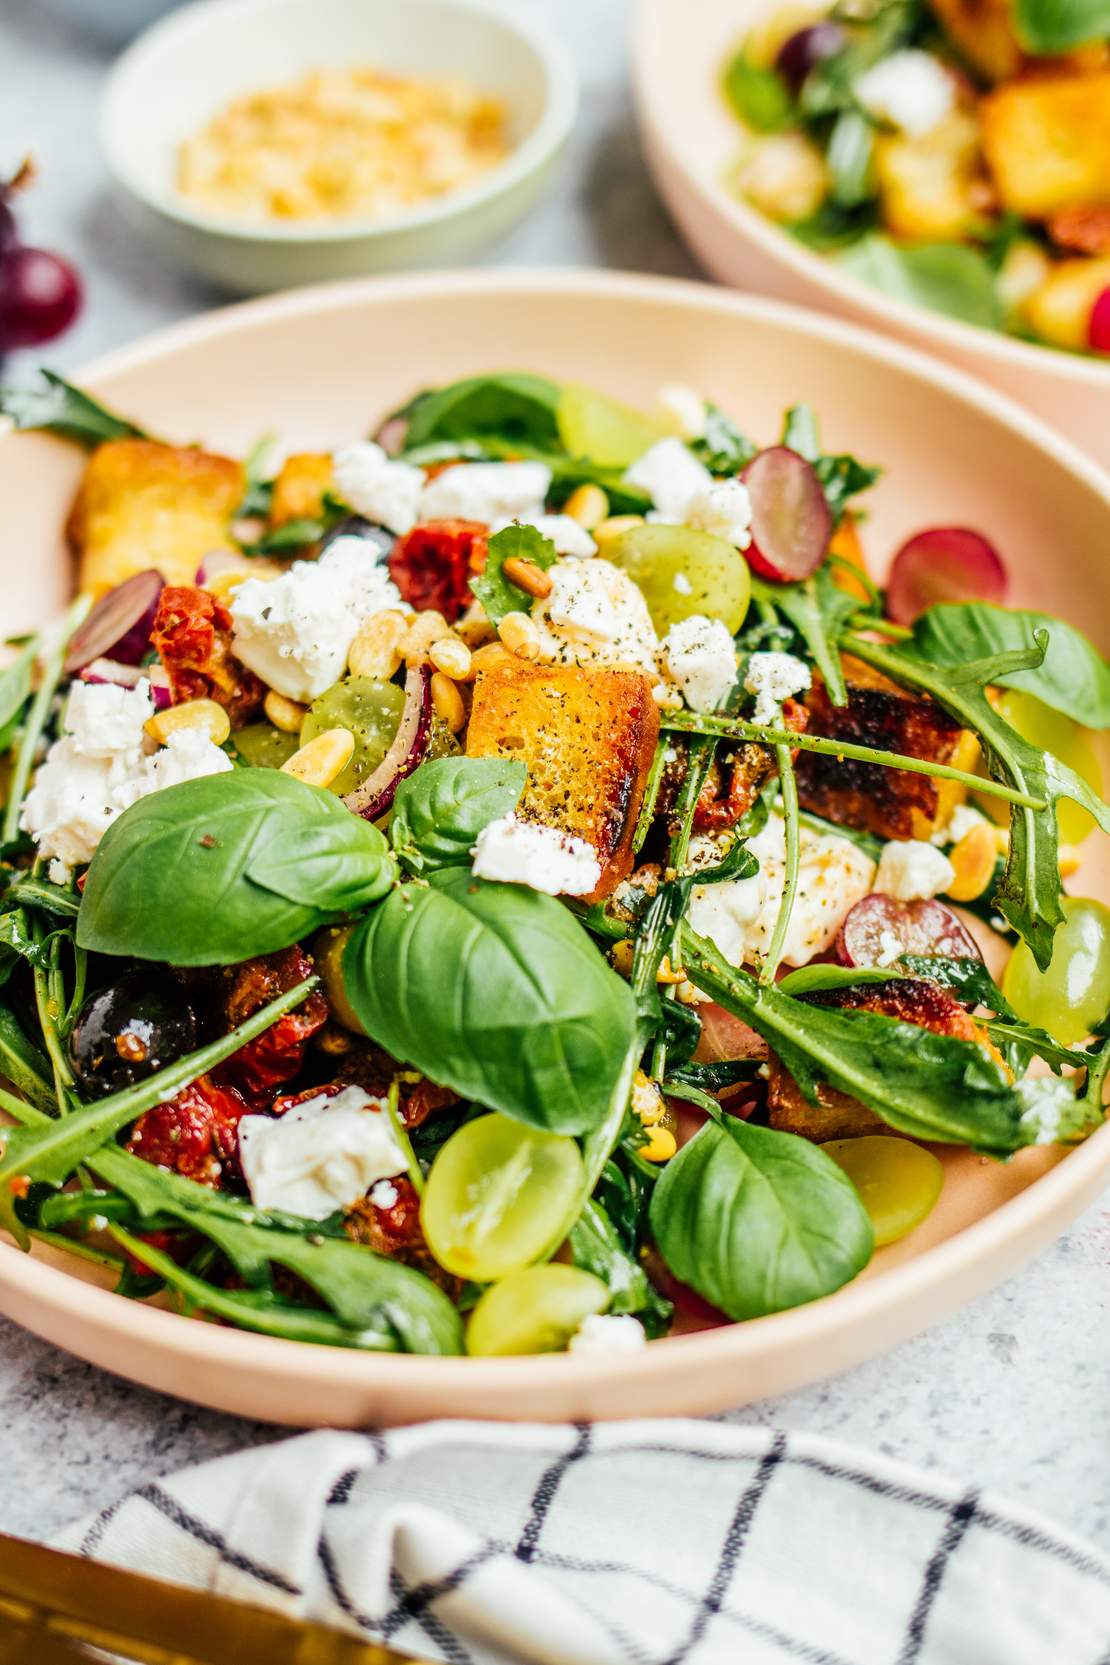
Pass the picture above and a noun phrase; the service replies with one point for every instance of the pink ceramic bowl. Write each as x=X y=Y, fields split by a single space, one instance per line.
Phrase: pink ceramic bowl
x=320 y=365
x=690 y=137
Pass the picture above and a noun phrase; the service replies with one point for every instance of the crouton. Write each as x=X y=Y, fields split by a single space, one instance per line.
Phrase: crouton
x=932 y=188
x=837 y=1115
x=587 y=737
x=299 y=488
x=144 y=505
x=892 y=803
x=1059 y=309
x=1047 y=142
x=984 y=32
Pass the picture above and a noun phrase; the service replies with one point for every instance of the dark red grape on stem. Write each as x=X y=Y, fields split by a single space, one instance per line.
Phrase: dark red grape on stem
x=806 y=48
x=40 y=296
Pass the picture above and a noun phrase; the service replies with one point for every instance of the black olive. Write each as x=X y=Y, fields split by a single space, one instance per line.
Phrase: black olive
x=128 y=1030
x=378 y=541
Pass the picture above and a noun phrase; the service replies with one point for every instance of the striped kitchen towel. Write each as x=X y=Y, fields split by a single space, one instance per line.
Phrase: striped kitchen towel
x=636 y=1543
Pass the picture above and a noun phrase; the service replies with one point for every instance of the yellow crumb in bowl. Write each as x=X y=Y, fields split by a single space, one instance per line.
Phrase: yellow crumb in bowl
x=342 y=144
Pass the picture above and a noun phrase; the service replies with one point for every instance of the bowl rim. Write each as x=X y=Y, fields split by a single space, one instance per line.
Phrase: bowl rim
x=810 y=266
x=1072 y=1181
x=525 y=159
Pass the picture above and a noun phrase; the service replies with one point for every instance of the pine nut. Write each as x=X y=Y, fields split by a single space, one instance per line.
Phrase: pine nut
x=424 y=629
x=211 y=719
x=668 y=973
x=488 y=658
x=284 y=713
x=519 y=635
x=474 y=627
x=323 y=758
x=588 y=505
x=615 y=526
x=447 y=702
x=452 y=657
x=688 y=994
x=974 y=859
x=376 y=650
x=527 y=576
x=622 y=956
x=660 y=1147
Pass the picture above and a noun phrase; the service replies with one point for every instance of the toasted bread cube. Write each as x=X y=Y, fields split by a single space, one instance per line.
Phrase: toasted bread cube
x=1047 y=142
x=587 y=737
x=931 y=188
x=837 y=1115
x=1059 y=310
x=892 y=803
x=144 y=505
x=300 y=486
x=984 y=32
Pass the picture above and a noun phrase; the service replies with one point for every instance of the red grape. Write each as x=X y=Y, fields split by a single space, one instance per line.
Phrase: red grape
x=944 y=563
x=880 y=923
x=791 y=521
x=805 y=48
x=40 y=296
x=7 y=223
x=1098 y=331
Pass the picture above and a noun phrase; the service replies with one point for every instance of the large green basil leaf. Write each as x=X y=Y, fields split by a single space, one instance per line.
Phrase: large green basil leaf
x=513 y=405
x=1073 y=677
x=216 y=870
x=60 y=408
x=758 y=1221
x=497 y=593
x=1045 y=27
x=945 y=277
x=496 y=991
x=440 y=810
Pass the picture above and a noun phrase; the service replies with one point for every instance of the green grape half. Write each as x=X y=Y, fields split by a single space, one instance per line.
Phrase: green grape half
x=536 y=1310
x=1073 y=994
x=682 y=572
x=898 y=1182
x=1069 y=741
x=328 y=948
x=610 y=434
x=371 y=710
x=263 y=746
x=497 y=1194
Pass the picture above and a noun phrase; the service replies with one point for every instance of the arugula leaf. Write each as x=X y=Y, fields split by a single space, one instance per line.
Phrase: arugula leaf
x=972 y=982
x=810 y=979
x=497 y=991
x=497 y=595
x=842 y=476
x=15 y=688
x=23 y=1064
x=216 y=870
x=818 y=609
x=17 y=943
x=60 y=408
x=596 y=1245
x=259 y=492
x=738 y=862
x=759 y=96
x=514 y=405
x=952 y=278
x=833 y=227
x=758 y=1221
x=441 y=808
x=1073 y=677
x=1030 y=891
x=722 y=447
x=1047 y=27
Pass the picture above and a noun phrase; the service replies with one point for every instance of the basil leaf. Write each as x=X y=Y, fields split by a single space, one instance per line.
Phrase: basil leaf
x=496 y=991
x=1045 y=27
x=60 y=408
x=759 y=96
x=497 y=595
x=596 y=1246
x=441 y=808
x=952 y=278
x=758 y=1221
x=211 y=872
x=1073 y=677
x=722 y=447
x=513 y=405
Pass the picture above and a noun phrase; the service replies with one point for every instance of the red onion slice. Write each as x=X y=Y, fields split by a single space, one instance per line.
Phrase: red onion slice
x=879 y=929
x=129 y=676
x=219 y=561
x=119 y=625
x=791 y=520
x=409 y=748
x=944 y=563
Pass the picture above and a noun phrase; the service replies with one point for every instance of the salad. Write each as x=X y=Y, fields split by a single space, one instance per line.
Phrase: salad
x=953 y=154
x=517 y=883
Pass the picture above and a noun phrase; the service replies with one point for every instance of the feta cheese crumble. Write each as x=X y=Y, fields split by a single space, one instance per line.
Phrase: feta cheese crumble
x=963 y=820
x=725 y=510
x=321 y=1156
x=699 y=655
x=607 y=1335
x=295 y=631
x=487 y=491
x=911 y=90
x=377 y=486
x=103 y=763
x=672 y=477
x=910 y=869
x=594 y=615
x=739 y=914
x=683 y=408
x=543 y=858
x=772 y=678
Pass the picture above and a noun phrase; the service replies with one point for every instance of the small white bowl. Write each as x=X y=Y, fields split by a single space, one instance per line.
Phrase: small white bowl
x=188 y=67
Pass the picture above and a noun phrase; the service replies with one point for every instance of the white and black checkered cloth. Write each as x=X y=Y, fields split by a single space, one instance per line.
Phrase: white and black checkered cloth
x=640 y=1543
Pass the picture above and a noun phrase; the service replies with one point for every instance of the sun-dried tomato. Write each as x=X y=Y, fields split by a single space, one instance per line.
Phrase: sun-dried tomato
x=192 y=634
x=1083 y=230
x=432 y=564
x=196 y=1133
x=275 y=1056
x=391 y=1226
x=367 y=1066
x=732 y=788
